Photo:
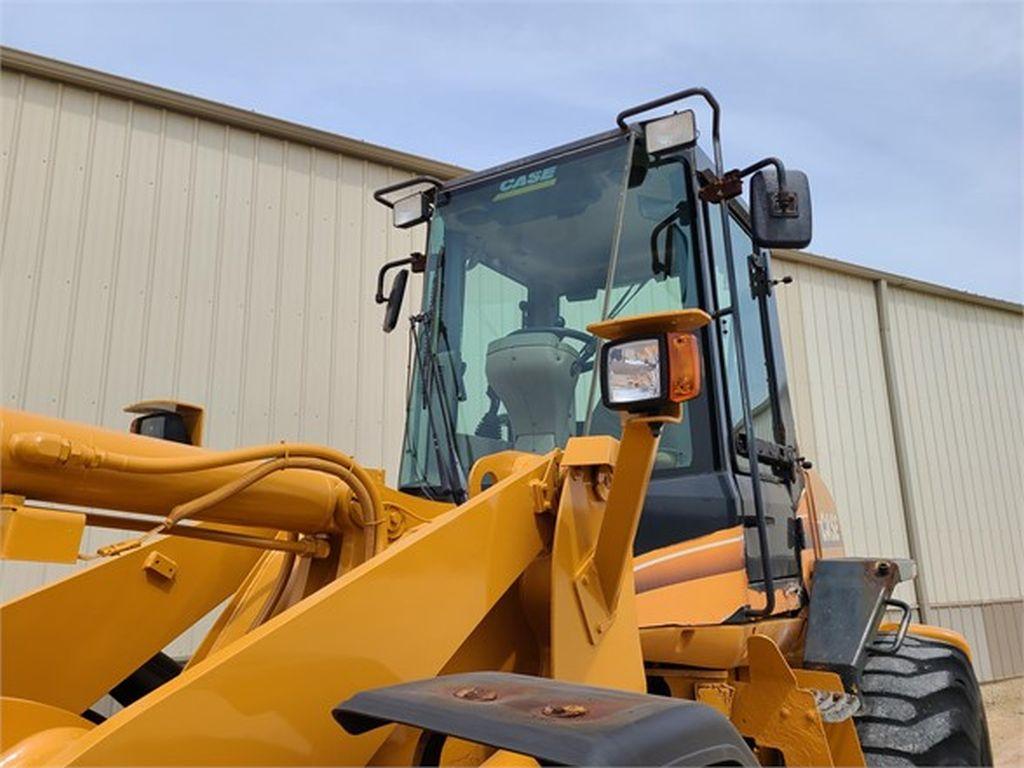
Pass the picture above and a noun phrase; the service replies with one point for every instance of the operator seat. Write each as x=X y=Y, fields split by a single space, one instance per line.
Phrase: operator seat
x=535 y=376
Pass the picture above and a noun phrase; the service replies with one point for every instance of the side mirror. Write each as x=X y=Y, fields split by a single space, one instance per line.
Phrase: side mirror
x=418 y=263
x=394 y=300
x=780 y=218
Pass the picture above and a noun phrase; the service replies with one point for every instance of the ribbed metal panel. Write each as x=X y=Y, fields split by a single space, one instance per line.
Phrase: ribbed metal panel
x=994 y=629
x=837 y=382
x=961 y=382
x=151 y=254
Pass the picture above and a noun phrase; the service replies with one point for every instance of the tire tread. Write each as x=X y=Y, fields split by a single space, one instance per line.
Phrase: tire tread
x=922 y=706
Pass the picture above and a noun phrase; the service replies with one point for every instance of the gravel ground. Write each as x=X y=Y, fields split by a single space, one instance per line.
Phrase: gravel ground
x=1004 y=706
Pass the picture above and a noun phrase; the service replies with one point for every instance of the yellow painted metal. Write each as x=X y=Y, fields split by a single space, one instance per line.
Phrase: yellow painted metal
x=776 y=712
x=69 y=642
x=21 y=718
x=413 y=509
x=533 y=574
x=242 y=612
x=403 y=615
x=494 y=468
x=441 y=598
x=717 y=646
x=593 y=633
x=593 y=451
x=843 y=740
x=613 y=551
x=297 y=500
x=672 y=321
x=717 y=695
x=931 y=632
x=29 y=533
x=32 y=733
x=160 y=565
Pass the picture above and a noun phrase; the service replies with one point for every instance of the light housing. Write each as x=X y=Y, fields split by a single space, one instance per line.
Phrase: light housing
x=677 y=131
x=650 y=372
x=411 y=210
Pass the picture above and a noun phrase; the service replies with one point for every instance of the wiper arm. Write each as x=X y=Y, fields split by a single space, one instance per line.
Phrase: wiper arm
x=448 y=461
x=428 y=371
x=459 y=490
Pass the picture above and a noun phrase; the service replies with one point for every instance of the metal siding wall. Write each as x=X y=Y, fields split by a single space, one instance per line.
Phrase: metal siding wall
x=147 y=253
x=958 y=374
x=960 y=377
x=837 y=383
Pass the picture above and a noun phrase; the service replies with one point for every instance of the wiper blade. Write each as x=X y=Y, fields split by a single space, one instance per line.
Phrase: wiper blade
x=432 y=378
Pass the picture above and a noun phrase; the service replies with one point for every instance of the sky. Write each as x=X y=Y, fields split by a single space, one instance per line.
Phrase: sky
x=907 y=117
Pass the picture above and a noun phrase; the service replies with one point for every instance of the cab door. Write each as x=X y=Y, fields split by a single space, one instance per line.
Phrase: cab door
x=772 y=416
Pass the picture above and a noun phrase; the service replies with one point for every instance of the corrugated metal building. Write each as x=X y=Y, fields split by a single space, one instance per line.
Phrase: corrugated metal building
x=157 y=245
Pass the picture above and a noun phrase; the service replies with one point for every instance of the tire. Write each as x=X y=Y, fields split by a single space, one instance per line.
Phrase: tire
x=922 y=706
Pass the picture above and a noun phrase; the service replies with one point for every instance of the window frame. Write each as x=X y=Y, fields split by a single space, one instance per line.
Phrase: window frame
x=738 y=215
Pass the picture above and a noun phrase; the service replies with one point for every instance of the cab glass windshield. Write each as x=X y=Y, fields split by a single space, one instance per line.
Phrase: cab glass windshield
x=518 y=265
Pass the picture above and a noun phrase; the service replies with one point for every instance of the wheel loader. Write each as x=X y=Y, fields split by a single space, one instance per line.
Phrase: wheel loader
x=603 y=547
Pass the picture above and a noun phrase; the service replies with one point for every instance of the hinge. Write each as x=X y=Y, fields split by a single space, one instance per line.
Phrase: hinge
x=760 y=282
x=781 y=458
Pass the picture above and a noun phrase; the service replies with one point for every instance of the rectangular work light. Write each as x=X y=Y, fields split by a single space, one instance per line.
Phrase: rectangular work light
x=411 y=210
x=673 y=132
x=648 y=372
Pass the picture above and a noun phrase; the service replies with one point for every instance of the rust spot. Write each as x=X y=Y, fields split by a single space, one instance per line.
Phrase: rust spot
x=475 y=693
x=564 y=710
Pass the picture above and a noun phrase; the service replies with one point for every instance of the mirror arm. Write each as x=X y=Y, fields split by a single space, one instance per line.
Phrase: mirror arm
x=780 y=169
x=657 y=265
x=730 y=184
x=416 y=261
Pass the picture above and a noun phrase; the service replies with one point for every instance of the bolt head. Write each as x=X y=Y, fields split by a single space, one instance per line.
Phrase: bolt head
x=475 y=693
x=564 y=710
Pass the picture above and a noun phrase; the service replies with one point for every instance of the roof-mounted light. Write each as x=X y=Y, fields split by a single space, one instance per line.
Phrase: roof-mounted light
x=677 y=131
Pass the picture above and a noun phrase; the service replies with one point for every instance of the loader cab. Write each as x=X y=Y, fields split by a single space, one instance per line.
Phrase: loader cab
x=522 y=257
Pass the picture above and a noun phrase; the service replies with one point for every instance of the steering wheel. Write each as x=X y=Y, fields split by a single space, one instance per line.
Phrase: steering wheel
x=586 y=351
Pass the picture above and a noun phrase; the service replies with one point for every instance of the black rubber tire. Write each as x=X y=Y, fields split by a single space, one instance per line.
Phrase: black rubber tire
x=922 y=706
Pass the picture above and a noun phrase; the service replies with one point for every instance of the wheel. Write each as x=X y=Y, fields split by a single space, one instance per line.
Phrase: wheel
x=922 y=706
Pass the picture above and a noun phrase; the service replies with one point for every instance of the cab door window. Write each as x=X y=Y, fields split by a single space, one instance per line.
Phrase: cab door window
x=746 y=306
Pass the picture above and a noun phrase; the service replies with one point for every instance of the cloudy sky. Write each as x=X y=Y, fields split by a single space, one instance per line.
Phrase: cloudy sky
x=906 y=116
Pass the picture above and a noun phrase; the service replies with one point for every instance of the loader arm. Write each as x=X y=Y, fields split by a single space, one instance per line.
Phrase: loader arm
x=542 y=555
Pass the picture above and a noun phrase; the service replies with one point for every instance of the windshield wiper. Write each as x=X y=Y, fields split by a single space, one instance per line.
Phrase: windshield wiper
x=459 y=489
x=448 y=464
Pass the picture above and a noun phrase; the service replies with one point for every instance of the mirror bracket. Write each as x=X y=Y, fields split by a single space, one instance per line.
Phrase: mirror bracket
x=417 y=262
x=784 y=204
x=725 y=188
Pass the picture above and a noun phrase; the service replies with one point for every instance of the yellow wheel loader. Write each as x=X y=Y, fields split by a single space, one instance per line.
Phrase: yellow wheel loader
x=603 y=547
